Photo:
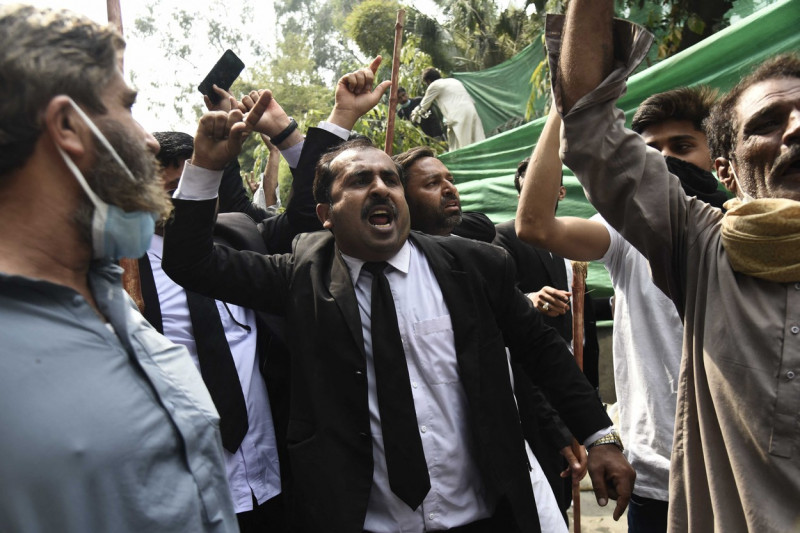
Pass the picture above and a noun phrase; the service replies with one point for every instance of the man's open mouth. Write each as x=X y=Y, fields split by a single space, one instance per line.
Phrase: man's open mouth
x=380 y=217
x=452 y=204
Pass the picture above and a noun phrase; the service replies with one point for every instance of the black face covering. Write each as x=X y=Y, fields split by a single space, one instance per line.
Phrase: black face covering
x=697 y=182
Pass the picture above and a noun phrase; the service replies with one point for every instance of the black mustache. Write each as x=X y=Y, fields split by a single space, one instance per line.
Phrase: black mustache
x=449 y=198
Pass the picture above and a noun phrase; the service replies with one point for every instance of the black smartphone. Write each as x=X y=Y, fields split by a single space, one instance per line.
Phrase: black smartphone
x=222 y=75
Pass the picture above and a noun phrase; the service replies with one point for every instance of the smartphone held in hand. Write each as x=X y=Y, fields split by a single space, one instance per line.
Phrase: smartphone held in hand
x=222 y=75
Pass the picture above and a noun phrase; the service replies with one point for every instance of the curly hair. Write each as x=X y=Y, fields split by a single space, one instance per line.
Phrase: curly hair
x=722 y=125
x=45 y=53
x=176 y=147
x=685 y=103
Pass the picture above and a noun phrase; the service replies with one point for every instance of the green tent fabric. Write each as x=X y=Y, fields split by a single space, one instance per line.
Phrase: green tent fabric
x=501 y=93
x=484 y=171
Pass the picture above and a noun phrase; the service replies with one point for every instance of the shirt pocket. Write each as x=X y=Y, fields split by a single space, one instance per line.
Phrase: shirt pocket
x=435 y=350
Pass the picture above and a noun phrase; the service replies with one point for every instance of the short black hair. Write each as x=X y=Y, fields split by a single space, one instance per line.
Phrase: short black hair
x=685 y=103
x=176 y=147
x=722 y=124
x=519 y=175
x=409 y=157
x=430 y=75
x=324 y=175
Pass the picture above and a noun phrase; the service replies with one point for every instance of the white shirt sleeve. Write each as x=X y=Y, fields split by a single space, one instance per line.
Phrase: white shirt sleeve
x=198 y=183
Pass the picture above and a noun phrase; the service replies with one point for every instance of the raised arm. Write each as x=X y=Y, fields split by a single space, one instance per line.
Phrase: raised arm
x=269 y=182
x=587 y=53
x=574 y=238
x=355 y=96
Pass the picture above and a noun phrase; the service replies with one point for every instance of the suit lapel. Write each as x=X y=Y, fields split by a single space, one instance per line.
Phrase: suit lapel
x=547 y=261
x=152 y=306
x=344 y=295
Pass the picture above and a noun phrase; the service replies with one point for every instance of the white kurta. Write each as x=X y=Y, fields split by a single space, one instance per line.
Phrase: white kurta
x=464 y=126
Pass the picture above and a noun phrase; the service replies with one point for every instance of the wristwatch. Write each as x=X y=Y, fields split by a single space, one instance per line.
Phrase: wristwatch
x=611 y=438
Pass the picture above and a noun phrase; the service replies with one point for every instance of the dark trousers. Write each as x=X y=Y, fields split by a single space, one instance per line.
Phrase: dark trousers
x=646 y=515
x=269 y=517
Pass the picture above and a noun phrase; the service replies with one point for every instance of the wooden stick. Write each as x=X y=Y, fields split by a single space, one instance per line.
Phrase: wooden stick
x=114 y=14
x=130 y=277
x=398 y=45
x=579 y=271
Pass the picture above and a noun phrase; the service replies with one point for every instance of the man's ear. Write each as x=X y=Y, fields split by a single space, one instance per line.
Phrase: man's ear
x=725 y=173
x=65 y=127
x=562 y=193
x=323 y=214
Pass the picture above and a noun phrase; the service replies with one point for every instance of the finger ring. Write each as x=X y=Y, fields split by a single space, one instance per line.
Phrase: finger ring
x=545 y=306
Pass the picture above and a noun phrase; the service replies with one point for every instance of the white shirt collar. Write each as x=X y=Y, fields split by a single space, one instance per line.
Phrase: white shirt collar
x=156 y=247
x=399 y=261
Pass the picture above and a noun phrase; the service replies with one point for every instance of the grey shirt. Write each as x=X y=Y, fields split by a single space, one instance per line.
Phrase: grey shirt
x=736 y=455
x=103 y=428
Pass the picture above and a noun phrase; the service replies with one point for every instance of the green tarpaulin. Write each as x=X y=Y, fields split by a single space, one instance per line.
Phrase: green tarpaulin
x=501 y=93
x=484 y=171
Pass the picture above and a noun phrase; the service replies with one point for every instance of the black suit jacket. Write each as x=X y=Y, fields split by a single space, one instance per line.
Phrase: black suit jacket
x=534 y=270
x=329 y=440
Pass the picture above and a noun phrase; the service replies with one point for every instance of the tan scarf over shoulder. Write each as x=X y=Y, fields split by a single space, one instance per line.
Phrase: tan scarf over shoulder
x=762 y=238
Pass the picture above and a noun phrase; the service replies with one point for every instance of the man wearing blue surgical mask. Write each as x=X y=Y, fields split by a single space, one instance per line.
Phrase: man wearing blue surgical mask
x=107 y=426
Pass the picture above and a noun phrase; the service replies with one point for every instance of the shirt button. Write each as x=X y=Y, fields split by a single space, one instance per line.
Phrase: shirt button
x=414 y=384
x=359 y=373
x=76 y=301
x=790 y=375
x=431 y=516
x=795 y=330
x=797 y=286
x=423 y=429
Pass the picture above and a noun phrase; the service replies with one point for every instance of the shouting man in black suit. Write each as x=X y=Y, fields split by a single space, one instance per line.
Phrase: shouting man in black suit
x=402 y=413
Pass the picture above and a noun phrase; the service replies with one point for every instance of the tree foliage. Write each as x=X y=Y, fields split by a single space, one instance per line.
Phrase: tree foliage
x=319 y=40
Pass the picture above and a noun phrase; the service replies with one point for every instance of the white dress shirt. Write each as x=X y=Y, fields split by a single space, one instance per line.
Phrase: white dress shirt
x=254 y=467
x=457 y=494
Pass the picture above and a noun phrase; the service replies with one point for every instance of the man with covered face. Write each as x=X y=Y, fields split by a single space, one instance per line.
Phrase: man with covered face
x=107 y=426
x=647 y=329
x=402 y=412
x=734 y=277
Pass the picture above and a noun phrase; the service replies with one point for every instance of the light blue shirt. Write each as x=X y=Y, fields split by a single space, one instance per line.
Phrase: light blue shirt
x=105 y=427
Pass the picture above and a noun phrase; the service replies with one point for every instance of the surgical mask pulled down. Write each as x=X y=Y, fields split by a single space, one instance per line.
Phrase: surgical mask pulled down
x=115 y=233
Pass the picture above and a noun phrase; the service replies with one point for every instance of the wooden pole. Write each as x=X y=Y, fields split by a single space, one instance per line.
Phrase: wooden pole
x=130 y=276
x=114 y=14
x=398 y=45
x=579 y=270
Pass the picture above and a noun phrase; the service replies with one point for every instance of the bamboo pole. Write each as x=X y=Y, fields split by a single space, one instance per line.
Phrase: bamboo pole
x=579 y=271
x=398 y=45
x=130 y=276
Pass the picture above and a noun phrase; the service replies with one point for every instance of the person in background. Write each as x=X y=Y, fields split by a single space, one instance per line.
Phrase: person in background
x=463 y=124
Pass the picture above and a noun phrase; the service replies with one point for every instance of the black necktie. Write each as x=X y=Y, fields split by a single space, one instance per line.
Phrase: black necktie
x=218 y=369
x=405 y=459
